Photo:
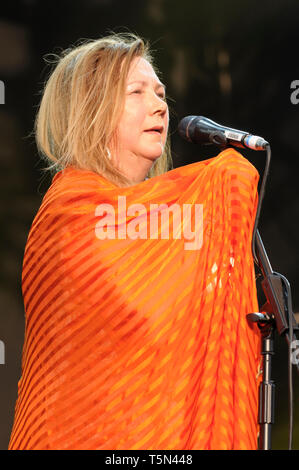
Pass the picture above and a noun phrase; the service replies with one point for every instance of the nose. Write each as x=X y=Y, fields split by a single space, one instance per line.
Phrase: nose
x=158 y=105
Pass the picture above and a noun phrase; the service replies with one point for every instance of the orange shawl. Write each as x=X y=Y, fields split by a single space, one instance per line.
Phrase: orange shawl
x=141 y=343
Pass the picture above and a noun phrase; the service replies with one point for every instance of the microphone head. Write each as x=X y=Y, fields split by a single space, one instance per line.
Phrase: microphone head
x=184 y=127
x=200 y=130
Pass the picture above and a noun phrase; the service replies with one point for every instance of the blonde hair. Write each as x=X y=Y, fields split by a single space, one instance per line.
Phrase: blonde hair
x=81 y=105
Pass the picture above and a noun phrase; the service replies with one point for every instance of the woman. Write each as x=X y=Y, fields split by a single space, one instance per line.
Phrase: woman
x=135 y=338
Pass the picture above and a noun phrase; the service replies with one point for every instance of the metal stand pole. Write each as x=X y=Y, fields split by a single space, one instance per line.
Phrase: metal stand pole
x=266 y=389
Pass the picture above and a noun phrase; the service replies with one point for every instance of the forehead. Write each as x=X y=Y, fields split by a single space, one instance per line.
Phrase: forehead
x=141 y=69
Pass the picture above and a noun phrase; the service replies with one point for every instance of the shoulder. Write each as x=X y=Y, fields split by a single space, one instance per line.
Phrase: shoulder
x=74 y=191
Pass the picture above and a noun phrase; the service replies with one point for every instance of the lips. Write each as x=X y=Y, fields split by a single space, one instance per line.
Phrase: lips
x=155 y=129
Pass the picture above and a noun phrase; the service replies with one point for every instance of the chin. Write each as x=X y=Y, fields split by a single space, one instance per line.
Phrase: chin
x=154 y=155
x=153 y=159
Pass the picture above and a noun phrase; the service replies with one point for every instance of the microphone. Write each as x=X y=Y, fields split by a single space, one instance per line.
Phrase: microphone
x=201 y=130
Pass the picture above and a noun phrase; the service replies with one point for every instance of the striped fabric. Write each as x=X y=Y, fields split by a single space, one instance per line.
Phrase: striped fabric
x=141 y=343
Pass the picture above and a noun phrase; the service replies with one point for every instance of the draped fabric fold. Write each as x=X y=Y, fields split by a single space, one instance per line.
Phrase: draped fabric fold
x=135 y=305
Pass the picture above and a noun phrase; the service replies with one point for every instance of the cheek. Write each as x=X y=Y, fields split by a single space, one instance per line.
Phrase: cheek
x=130 y=123
x=134 y=114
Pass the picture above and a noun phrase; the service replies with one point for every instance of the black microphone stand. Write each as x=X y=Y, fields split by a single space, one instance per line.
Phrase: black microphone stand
x=277 y=315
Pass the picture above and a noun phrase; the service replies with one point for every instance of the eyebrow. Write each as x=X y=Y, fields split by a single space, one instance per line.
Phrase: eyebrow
x=143 y=82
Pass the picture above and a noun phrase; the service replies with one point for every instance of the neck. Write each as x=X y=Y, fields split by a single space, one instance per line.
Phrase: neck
x=134 y=168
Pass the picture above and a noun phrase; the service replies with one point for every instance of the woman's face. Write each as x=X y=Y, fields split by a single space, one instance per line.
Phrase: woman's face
x=143 y=127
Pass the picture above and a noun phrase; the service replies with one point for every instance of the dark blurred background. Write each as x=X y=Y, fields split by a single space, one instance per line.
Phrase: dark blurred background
x=232 y=61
